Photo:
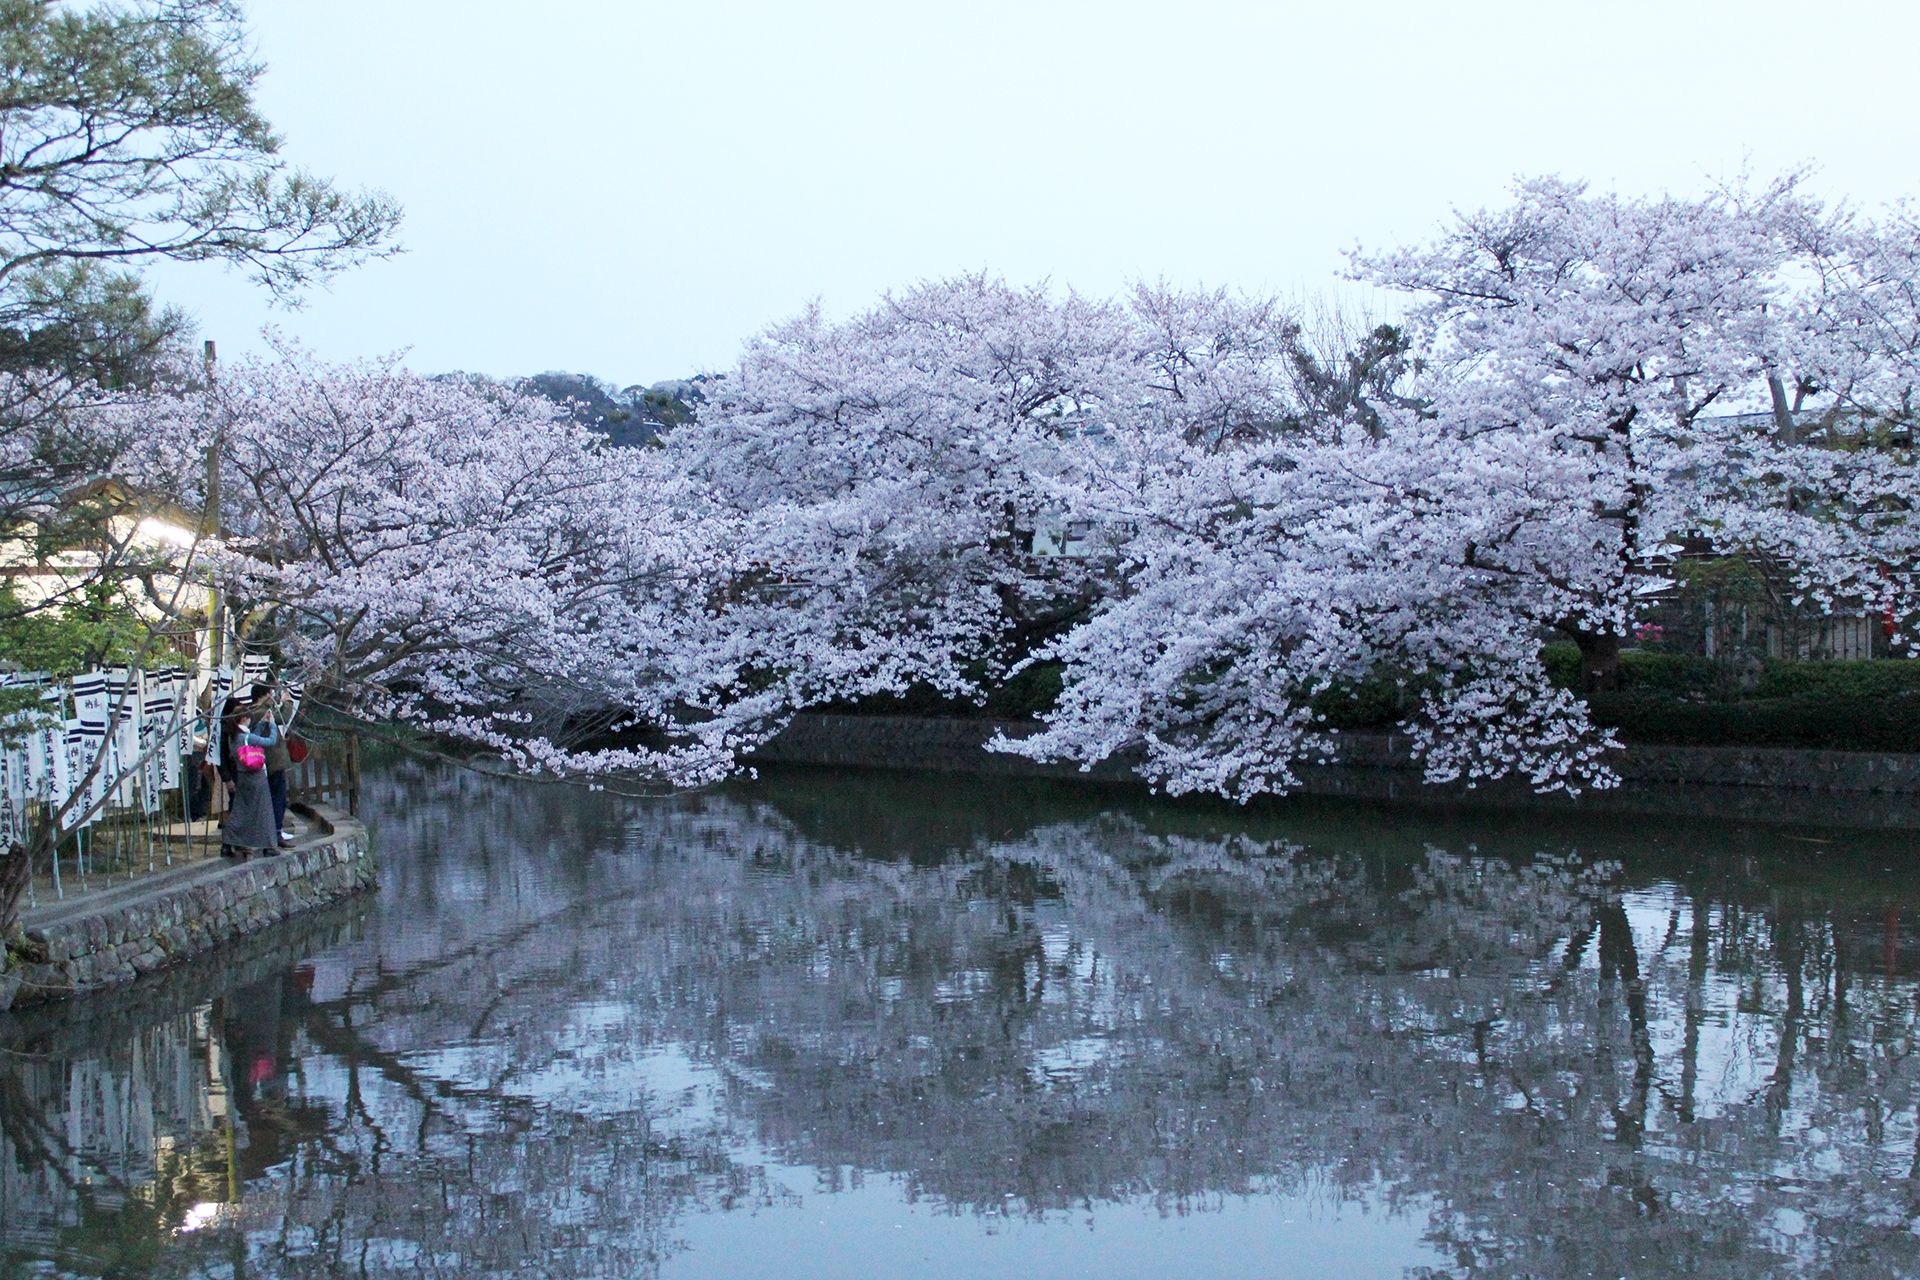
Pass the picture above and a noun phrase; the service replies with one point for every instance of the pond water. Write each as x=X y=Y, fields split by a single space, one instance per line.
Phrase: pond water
x=823 y=1025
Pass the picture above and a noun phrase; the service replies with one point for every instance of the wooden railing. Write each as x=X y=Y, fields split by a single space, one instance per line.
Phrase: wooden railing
x=330 y=773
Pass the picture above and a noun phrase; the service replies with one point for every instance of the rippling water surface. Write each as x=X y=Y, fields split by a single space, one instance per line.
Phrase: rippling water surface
x=823 y=1025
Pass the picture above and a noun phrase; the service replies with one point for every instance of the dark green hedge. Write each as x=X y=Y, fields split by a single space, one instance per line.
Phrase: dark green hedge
x=1022 y=696
x=1682 y=700
x=1680 y=675
x=1878 y=678
x=1833 y=723
x=1674 y=675
x=1663 y=698
x=1378 y=703
x=1868 y=705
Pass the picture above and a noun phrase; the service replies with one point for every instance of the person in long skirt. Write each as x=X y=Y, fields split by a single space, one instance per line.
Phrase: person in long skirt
x=250 y=823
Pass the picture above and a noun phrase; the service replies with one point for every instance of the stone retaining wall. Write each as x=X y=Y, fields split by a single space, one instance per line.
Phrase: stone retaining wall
x=115 y=935
x=78 y=1028
x=1849 y=788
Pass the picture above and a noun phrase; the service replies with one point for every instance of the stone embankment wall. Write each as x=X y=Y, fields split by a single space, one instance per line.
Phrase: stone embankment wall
x=115 y=935
x=1851 y=788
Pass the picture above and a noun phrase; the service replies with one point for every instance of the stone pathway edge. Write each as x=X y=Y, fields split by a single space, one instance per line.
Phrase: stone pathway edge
x=71 y=948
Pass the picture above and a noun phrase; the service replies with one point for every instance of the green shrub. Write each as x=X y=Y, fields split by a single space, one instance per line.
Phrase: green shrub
x=1681 y=699
x=1676 y=675
x=1027 y=694
x=1855 y=678
x=1830 y=723
x=1669 y=675
x=1669 y=698
x=1378 y=702
x=1562 y=662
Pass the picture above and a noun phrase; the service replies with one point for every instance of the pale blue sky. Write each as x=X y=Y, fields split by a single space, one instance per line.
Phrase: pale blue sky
x=632 y=189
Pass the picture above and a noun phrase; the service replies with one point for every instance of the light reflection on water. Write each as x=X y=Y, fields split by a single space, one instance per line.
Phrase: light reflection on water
x=868 y=1026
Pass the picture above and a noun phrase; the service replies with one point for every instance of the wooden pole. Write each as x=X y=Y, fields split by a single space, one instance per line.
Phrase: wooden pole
x=210 y=526
x=353 y=774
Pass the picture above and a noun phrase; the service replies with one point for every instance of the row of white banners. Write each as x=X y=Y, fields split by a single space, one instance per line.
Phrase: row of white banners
x=138 y=725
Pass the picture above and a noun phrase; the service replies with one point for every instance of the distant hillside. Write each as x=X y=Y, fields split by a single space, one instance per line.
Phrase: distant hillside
x=631 y=416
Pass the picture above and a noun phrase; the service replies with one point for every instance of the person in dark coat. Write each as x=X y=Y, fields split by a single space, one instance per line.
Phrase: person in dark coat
x=278 y=761
x=200 y=779
x=250 y=822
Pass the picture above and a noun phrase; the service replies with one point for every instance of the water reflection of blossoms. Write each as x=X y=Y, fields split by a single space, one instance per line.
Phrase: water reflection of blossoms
x=1564 y=1063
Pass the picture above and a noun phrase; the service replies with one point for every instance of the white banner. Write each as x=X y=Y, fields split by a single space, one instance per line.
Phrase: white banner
x=188 y=707
x=12 y=820
x=54 y=787
x=80 y=748
x=90 y=708
x=16 y=759
x=123 y=704
x=138 y=725
x=217 y=709
x=159 y=733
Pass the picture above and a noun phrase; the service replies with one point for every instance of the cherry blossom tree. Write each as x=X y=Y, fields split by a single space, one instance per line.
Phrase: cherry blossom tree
x=860 y=505
x=1572 y=407
x=1854 y=346
x=453 y=554
x=1609 y=333
x=888 y=473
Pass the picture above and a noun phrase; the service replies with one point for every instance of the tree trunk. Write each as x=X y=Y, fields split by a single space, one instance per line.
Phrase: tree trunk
x=1599 y=661
x=1783 y=424
x=17 y=867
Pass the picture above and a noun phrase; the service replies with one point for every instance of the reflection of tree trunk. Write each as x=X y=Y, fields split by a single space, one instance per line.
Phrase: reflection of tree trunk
x=345 y=1043
x=1842 y=1016
x=1577 y=948
x=237 y=1248
x=1620 y=960
x=1780 y=1086
x=37 y=1140
x=1696 y=1005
